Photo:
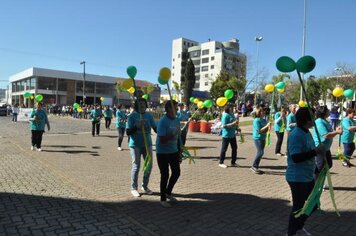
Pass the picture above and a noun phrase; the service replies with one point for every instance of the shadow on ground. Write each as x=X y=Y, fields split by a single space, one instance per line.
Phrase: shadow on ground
x=195 y=214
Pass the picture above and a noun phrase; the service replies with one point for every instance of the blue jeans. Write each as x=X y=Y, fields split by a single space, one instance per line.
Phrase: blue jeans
x=224 y=146
x=136 y=163
x=349 y=149
x=260 y=145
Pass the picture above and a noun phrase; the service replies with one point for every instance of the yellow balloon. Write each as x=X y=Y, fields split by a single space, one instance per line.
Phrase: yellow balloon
x=281 y=90
x=79 y=109
x=200 y=104
x=301 y=103
x=102 y=99
x=338 y=92
x=221 y=101
x=131 y=90
x=269 y=88
x=32 y=97
x=165 y=73
x=196 y=100
x=127 y=83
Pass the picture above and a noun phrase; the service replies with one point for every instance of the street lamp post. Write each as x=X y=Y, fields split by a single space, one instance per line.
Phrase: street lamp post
x=83 y=63
x=257 y=39
x=338 y=73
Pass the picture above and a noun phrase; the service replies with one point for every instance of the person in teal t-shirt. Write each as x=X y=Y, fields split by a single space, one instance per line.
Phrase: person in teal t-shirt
x=260 y=128
x=121 y=118
x=301 y=167
x=280 y=123
x=348 y=134
x=326 y=135
x=184 y=119
x=138 y=126
x=291 y=122
x=168 y=149
x=108 y=117
x=38 y=120
x=96 y=114
x=228 y=125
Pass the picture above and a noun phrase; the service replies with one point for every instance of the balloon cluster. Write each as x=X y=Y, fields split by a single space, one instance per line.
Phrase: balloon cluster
x=280 y=86
x=228 y=94
x=200 y=104
x=128 y=84
x=338 y=92
x=38 y=97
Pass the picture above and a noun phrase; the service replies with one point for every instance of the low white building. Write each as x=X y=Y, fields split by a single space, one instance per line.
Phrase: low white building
x=65 y=88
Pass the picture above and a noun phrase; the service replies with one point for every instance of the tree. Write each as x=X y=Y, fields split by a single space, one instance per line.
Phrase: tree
x=314 y=91
x=325 y=85
x=189 y=81
x=225 y=81
x=119 y=90
x=178 y=89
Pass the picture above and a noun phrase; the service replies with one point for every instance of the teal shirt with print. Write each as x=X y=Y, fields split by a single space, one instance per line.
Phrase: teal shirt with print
x=324 y=128
x=137 y=139
x=95 y=115
x=258 y=123
x=281 y=124
x=120 y=119
x=41 y=119
x=347 y=136
x=167 y=126
x=228 y=132
x=300 y=141
x=291 y=120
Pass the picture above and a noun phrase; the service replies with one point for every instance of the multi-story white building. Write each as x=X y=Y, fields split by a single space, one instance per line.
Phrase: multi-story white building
x=209 y=59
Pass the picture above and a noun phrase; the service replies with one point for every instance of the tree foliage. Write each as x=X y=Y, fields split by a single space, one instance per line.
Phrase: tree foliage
x=189 y=81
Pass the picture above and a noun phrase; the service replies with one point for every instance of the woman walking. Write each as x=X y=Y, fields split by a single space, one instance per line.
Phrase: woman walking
x=96 y=114
x=108 y=117
x=38 y=120
x=120 y=124
x=280 y=122
x=229 y=124
x=168 y=151
x=15 y=112
x=300 y=169
x=260 y=128
x=347 y=137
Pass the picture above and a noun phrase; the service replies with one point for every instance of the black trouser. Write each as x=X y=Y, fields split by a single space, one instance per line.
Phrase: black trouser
x=183 y=135
x=300 y=193
x=319 y=160
x=280 y=136
x=36 y=138
x=225 y=145
x=95 y=124
x=107 y=122
x=121 y=133
x=164 y=161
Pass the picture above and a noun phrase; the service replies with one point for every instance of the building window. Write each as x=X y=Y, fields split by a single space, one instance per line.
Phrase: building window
x=212 y=58
x=184 y=43
x=197 y=69
x=212 y=67
x=172 y=67
x=206 y=83
x=173 y=59
x=206 y=75
x=204 y=68
x=205 y=52
x=47 y=83
x=179 y=55
x=205 y=60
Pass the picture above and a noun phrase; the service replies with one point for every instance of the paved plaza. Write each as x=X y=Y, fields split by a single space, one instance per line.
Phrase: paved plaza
x=80 y=185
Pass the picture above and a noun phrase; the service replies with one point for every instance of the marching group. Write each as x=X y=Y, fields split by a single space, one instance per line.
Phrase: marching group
x=306 y=152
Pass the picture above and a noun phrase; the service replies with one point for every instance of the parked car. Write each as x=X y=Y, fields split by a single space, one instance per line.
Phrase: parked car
x=3 y=111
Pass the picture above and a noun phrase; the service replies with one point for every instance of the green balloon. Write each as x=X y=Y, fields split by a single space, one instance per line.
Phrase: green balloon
x=191 y=99
x=76 y=105
x=208 y=103
x=39 y=97
x=229 y=94
x=27 y=94
x=285 y=64
x=161 y=81
x=280 y=85
x=306 y=64
x=145 y=96
x=131 y=71
x=349 y=93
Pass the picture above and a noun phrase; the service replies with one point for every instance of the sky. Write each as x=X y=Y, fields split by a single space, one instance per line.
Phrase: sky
x=111 y=35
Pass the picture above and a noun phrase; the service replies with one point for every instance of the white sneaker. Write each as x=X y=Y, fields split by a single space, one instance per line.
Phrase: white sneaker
x=223 y=165
x=119 y=148
x=135 y=193
x=165 y=204
x=147 y=191
x=32 y=148
x=39 y=150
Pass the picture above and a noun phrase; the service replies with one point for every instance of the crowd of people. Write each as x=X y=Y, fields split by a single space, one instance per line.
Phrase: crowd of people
x=307 y=151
